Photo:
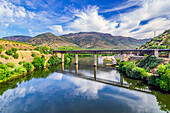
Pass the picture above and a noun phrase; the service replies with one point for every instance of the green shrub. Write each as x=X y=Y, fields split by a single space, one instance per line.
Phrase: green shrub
x=20 y=62
x=15 y=55
x=20 y=70
x=30 y=49
x=33 y=54
x=6 y=57
x=14 y=49
x=165 y=80
x=9 y=52
x=25 y=49
x=162 y=47
x=10 y=64
x=161 y=69
x=2 y=66
x=118 y=60
x=28 y=66
x=129 y=68
x=1 y=49
x=2 y=56
x=3 y=74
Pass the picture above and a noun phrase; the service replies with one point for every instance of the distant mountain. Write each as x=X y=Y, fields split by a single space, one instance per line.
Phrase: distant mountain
x=18 y=38
x=161 y=41
x=103 y=40
x=86 y=40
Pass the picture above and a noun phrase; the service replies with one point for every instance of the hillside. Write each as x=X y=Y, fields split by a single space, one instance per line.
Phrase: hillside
x=86 y=40
x=18 y=38
x=49 y=39
x=161 y=41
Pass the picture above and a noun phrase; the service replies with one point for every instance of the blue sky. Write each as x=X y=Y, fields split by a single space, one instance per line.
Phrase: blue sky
x=133 y=18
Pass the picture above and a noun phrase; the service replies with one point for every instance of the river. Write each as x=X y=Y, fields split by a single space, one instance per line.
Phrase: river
x=80 y=89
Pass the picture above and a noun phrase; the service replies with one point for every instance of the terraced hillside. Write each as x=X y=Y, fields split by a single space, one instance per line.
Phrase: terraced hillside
x=161 y=41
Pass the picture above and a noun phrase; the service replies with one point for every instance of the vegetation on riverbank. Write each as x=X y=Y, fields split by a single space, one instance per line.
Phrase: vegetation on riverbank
x=15 y=61
x=140 y=70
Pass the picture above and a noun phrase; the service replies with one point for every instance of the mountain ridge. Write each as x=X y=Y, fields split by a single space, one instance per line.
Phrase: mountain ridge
x=85 y=40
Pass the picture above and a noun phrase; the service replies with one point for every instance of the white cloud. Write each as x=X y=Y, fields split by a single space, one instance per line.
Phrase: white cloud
x=155 y=10
x=57 y=29
x=125 y=5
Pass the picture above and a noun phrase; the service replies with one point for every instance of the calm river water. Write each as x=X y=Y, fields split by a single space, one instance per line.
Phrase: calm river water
x=80 y=89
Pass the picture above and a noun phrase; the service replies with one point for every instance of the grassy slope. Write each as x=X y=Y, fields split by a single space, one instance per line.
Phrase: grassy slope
x=160 y=41
x=23 y=55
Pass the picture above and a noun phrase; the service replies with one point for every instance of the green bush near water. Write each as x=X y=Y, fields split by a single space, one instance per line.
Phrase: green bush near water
x=163 y=80
x=28 y=66
x=39 y=62
x=53 y=60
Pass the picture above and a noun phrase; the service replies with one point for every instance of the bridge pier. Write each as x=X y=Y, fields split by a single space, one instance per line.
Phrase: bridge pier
x=95 y=72
x=156 y=53
x=62 y=66
x=76 y=59
x=121 y=57
x=95 y=60
x=138 y=53
x=169 y=55
x=62 y=57
x=76 y=69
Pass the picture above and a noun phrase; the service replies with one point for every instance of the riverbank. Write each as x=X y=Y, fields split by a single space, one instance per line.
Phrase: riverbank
x=144 y=70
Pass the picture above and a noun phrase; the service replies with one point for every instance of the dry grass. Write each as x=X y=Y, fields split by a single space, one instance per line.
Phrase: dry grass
x=8 y=44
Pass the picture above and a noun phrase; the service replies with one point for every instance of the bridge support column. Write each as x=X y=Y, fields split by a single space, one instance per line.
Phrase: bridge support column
x=62 y=66
x=76 y=59
x=62 y=58
x=169 y=55
x=121 y=57
x=137 y=53
x=95 y=60
x=76 y=69
x=95 y=72
x=156 y=53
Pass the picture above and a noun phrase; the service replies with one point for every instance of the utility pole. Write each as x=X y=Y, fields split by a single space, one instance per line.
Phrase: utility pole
x=154 y=33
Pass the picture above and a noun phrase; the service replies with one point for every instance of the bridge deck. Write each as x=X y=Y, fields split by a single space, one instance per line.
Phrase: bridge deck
x=113 y=51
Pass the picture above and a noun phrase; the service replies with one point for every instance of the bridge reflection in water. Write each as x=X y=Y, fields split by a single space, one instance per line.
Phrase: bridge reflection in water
x=101 y=80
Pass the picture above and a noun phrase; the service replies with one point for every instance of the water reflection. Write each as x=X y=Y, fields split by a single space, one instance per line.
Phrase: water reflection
x=50 y=91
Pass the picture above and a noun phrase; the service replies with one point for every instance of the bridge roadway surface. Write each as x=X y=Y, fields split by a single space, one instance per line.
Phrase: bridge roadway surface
x=144 y=51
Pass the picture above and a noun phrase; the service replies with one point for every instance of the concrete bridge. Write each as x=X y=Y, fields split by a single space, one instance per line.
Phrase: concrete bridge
x=138 y=52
